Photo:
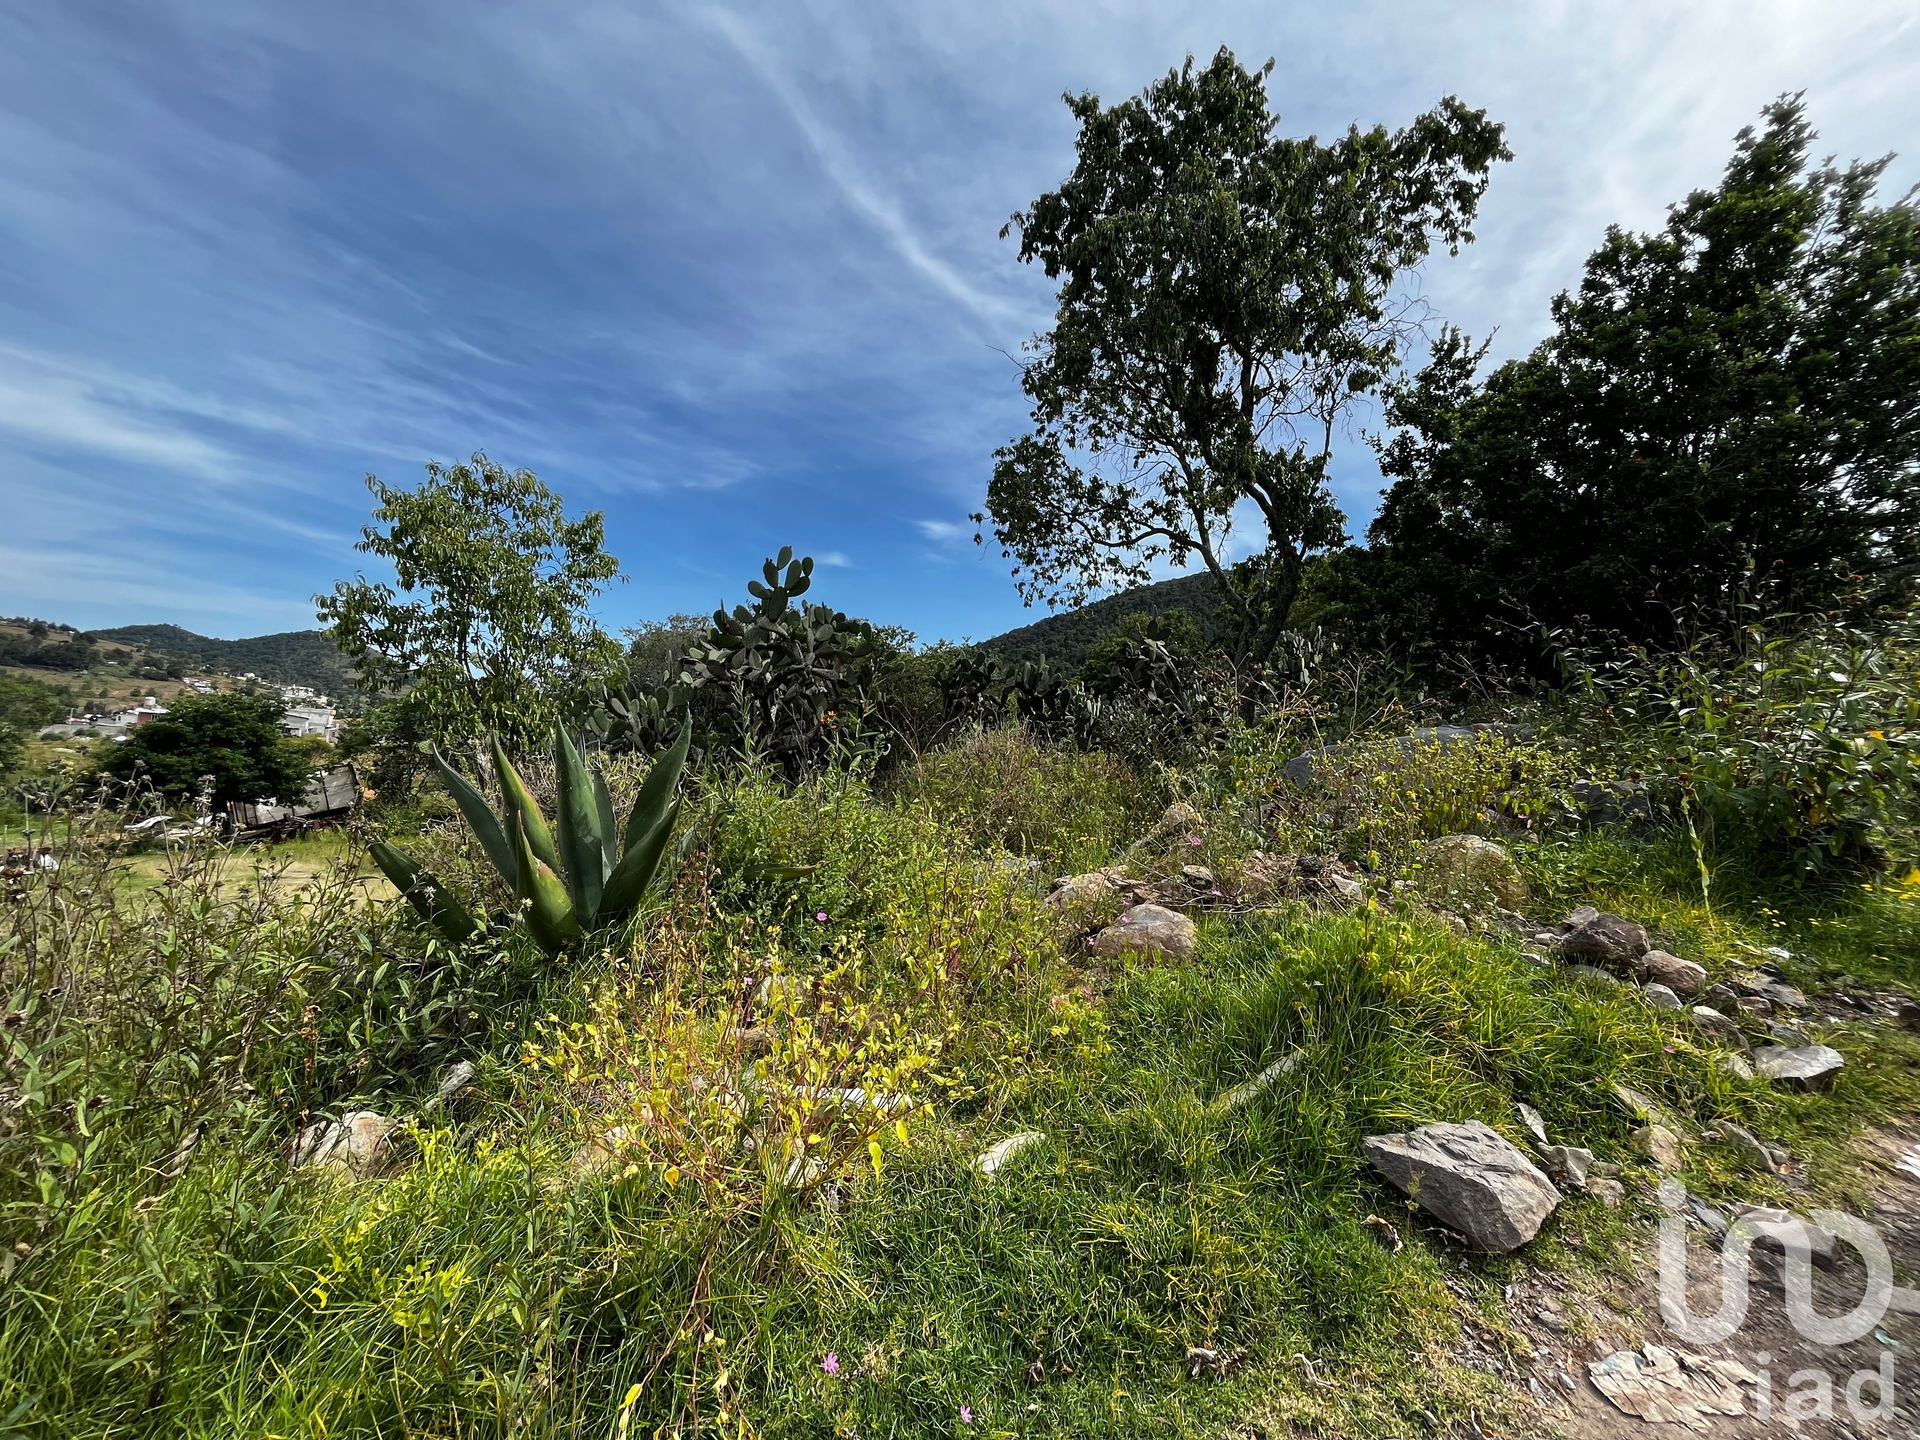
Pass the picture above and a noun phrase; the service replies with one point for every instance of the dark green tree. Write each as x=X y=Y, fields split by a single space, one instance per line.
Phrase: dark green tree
x=1728 y=409
x=1227 y=296
x=237 y=739
x=486 y=628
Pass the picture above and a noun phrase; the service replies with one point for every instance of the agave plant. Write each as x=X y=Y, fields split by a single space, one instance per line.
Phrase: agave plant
x=574 y=878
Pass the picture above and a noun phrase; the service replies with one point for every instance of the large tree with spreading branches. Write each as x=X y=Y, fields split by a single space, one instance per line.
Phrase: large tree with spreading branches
x=1227 y=296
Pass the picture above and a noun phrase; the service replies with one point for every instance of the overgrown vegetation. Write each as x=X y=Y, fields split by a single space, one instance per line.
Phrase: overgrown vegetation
x=680 y=1124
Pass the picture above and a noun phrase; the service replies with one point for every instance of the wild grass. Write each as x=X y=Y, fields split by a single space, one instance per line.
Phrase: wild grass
x=658 y=1210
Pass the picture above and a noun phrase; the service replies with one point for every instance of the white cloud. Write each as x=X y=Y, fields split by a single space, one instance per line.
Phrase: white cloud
x=834 y=559
x=945 y=531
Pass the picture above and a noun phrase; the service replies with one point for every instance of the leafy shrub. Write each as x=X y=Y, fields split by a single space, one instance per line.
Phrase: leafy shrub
x=1379 y=799
x=1796 y=737
x=1063 y=808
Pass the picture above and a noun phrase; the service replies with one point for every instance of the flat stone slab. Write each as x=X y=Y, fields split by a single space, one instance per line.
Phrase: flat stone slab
x=1470 y=1179
x=1804 y=1067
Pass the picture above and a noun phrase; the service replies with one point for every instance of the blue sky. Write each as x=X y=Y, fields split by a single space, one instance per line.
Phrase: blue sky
x=731 y=274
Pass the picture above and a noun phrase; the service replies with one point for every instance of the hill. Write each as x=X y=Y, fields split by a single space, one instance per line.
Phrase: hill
x=291 y=657
x=1063 y=640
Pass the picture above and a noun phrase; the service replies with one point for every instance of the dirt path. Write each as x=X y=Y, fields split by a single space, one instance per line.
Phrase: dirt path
x=1774 y=1380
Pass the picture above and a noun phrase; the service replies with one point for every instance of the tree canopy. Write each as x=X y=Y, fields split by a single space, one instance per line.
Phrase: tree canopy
x=1727 y=408
x=486 y=627
x=1226 y=296
x=236 y=739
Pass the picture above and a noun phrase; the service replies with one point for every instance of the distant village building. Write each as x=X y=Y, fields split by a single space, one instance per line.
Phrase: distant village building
x=311 y=720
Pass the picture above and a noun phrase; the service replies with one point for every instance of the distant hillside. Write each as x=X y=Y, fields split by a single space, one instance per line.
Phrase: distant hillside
x=1063 y=640
x=293 y=657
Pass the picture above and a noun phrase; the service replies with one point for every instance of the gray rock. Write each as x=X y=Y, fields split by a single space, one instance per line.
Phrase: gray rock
x=1470 y=1179
x=1735 y=1064
x=355 y=1146
x=1788 y=1034
x=1567 y=1165
x=1532 y=1119
x=1535 y=959
x=1597 y=938
x=1661 y=1146
x=1661 y=997
x=1721 y=997
x=1346 y=887
x=1073 y=892
x=1803 y=1067
x=1592 y=974
x=1782 y=1230
x=1756 y=1005
x=1717 y=1027
x=1683 y=977
x=1148 y=930
x=457 y=1077
x=1608 y=1192
x=1744 y=1139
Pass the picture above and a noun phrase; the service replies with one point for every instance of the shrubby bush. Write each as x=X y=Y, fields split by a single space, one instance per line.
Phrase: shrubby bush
x=1796 y=738
x=1065 y=809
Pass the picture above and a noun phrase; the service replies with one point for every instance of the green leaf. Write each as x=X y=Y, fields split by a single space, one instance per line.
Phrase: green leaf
x=549 y=913
x=609 y=831
x=637 y=870
x=486 y=825
x=662 y=782
x=424 y=892
x=520 y=803
x=582 y=851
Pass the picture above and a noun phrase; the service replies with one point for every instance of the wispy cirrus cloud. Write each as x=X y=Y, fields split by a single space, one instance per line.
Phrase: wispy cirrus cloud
x=733 y=276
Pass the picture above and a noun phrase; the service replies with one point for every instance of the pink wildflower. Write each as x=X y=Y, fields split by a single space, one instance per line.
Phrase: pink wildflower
x=831 y=1364
x=966 y=1414
x=821 y=916
x=1193 y=840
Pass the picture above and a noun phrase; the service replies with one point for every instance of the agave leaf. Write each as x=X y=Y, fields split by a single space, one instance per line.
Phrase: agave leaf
x=638 y=869
x=424 y=892
x=486 y=825
x=520 y=803
x=662 y=782
x=550 y=914
x=582 y=854
x=609 y=831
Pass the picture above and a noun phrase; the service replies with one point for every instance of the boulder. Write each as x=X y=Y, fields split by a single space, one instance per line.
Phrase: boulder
x=1683 y=977
x=1470 y=873
x=355 y=1146
x=1147 y=930
x=1470 y=1179
x=1074 y=892
x=1596 y=938
x=1803 y=1067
